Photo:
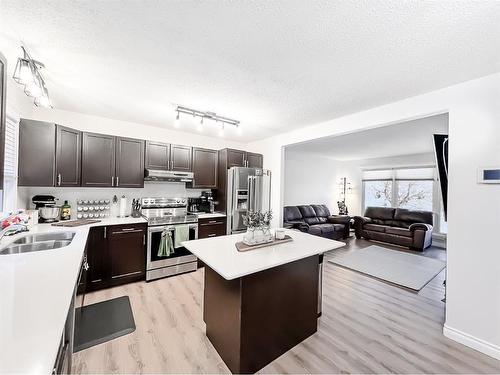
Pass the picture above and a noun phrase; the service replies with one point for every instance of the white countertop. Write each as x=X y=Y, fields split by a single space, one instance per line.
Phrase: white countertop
x=210 y=215
x=35 y=295
x=220 y=253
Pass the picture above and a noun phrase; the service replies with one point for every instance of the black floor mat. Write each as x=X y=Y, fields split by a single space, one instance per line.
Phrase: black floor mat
x=101 y=322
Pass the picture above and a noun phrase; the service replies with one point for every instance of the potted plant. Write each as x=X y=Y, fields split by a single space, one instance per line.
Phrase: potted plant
x=258 y=227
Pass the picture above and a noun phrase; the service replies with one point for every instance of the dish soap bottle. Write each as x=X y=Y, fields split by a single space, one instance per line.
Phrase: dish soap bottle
x=66 y=211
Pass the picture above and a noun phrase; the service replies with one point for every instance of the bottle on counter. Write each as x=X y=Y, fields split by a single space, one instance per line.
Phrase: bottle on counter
x=66 y=211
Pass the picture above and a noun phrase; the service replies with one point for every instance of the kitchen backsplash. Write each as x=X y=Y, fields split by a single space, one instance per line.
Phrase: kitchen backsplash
x=151 y=189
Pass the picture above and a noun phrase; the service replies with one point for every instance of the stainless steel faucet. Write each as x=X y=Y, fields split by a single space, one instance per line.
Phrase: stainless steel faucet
x=13 y=229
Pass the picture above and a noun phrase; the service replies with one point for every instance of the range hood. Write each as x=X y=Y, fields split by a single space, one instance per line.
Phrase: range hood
x=169 y=176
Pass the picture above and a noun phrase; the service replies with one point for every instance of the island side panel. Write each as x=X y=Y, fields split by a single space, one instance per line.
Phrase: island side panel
x=254 y=319
x=221 y=313
x=279 y=310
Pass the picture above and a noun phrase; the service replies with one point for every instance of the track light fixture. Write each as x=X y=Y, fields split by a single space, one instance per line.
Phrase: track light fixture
x=177 y=122
x=207 y=115
x=27 y=74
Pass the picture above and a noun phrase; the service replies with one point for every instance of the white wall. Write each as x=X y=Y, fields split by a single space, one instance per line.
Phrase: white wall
x=312 y=179
x=151 y=189
x=309 y=179
x=473 y=276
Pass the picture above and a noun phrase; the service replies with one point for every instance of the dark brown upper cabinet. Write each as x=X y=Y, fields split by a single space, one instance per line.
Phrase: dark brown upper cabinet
x=204 y=168
x=254 y=160
x=157 y=155
x=68 y=156
x=129 y=163
x=168 y=157
x=180 y=158
x=37 y=150
x=235 y=158
x=109 y=161
x=98 y=160
x=238 y=158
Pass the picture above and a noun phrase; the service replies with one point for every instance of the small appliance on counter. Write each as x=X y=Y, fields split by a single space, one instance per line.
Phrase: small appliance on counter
x=47 y=210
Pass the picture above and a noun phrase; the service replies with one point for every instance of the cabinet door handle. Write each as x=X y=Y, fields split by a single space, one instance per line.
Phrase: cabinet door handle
x=105 y=231
x=127 y=229
x=117 y=181
x=212 y=235
x=171 y=164
x=59 y=179
x=144 y=239
x=112 y=180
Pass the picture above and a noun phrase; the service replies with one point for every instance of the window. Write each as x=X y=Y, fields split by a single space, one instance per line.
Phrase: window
x=415 y=195
x=9 y=193
x=411 y=188
x=378 y=193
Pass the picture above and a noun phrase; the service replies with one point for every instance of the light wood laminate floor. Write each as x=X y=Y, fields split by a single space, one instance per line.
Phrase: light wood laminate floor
x=367 y=326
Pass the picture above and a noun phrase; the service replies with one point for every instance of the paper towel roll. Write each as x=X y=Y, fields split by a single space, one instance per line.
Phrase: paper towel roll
x=123 y=206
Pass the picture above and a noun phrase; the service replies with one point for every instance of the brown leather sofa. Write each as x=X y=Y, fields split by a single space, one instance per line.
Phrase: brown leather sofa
x=399 y=226
x=316 y=219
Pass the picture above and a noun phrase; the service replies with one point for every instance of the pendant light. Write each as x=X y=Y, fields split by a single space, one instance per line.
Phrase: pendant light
x=200 y=125
x=23 y=73
x=43 y=100
x=27 y=73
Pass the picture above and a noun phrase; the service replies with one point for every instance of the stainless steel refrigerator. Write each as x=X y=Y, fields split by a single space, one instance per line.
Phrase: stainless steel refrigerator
x=247 y=189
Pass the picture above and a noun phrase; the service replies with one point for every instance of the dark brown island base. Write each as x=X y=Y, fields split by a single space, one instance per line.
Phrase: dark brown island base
x=261 y=303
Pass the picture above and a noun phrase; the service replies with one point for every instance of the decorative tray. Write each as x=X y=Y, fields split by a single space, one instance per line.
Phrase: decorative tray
x=241 y=246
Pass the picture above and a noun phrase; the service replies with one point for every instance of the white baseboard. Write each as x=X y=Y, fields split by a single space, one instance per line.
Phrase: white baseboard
x=472 y=342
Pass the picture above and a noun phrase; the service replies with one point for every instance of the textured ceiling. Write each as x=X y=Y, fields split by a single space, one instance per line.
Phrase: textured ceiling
x=405 y=138
x=274 y=65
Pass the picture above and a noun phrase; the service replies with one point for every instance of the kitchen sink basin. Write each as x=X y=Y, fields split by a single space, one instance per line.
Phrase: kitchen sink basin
x=38 y=242
x=42 y=237
x=35 y=246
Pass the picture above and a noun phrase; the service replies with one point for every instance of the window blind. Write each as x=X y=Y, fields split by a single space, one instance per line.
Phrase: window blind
x=9 y=196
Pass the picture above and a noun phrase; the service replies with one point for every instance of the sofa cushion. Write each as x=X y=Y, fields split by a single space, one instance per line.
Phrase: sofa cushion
x=380 y=213
x=309 y=215
x=399 y=231
x=325 y=228
x=315 y=230
x=291 y=213
x=322 y=212
x=375 y=227
x=412 y=216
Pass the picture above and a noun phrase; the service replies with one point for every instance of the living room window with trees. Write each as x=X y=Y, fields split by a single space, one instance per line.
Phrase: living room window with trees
x=412 y=188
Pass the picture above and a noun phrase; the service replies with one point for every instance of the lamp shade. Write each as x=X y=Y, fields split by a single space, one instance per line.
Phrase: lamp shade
x=43 y=100
x=23 y=74
x=35 y=88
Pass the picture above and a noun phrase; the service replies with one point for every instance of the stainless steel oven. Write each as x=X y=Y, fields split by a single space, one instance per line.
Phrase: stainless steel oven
x=165 y=215
x=181 y=260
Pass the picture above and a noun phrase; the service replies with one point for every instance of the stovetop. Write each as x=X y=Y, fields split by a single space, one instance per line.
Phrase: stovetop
x=163 y=211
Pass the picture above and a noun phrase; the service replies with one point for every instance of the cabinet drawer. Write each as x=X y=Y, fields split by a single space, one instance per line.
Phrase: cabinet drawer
x=211 y=227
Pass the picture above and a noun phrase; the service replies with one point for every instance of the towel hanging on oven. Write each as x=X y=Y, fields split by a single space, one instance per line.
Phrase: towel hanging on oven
x=181 y=234
x=166 y=244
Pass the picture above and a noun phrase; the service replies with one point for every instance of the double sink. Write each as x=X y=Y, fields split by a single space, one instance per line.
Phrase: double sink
x=38 y=242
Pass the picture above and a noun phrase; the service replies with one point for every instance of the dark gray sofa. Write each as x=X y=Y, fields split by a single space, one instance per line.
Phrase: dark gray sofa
x=399 y=226
x=317 y=220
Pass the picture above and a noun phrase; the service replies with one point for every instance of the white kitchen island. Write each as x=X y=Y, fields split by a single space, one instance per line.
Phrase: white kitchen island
x=260 y=303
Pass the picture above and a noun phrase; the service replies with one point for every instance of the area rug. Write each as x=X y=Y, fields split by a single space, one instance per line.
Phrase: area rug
x=397 y=267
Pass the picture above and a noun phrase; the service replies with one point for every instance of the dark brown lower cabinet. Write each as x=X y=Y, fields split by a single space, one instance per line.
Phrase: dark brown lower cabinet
x=127 y=253
x=212 y=227
x=97 y=246
x=116 y=255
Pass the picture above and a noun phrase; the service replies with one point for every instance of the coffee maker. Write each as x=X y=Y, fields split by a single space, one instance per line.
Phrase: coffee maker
x=46 y=206
x=206 y=202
